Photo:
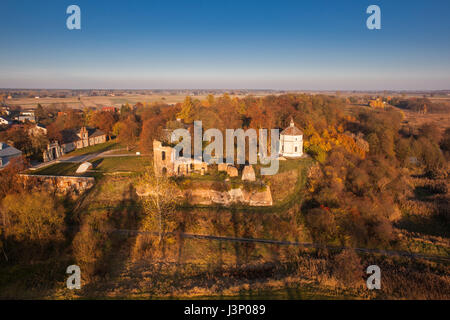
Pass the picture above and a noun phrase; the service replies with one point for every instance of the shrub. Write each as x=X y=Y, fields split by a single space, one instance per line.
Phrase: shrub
x=347 y=268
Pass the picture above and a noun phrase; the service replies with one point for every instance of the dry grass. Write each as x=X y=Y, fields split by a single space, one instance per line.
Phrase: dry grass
x=413 y=119
x=99 y=101
x=282 y=184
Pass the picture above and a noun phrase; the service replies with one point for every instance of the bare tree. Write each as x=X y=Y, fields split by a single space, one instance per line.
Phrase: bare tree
x=159 y=196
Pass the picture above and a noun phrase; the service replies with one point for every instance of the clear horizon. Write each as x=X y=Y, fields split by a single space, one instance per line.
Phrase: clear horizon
x=241 y=89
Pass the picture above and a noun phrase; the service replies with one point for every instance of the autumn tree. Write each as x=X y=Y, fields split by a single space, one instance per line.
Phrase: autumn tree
x=210 y=99
x=54 y=133
x=72 y=120
x=39 y=112
x=159 y=196
x=151 y=129
x=36 y=217
x=18 y=135
x=104 y=121
x=127 y=131
x=187 y=110
x=125 y=111
x=10 y=182
x=445 y=143
x=321 y=223
x=39 y=143
x=430 y=131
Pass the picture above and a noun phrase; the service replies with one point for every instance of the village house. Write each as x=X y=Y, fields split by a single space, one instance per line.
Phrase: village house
x=8 y=153
x=110 y=109
x=26 y=116
x=77 y=139
x=37 y=129
x=90 y=137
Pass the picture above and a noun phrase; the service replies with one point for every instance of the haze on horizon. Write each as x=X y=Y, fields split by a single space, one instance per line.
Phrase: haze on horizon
x=283 y=45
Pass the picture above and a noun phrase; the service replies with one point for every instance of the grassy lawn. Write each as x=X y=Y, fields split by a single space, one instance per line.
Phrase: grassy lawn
x=121 y=164
x=123 y=150
x=125 y=164
x=57 y=169
x=286 y=186
x=289 y=180
x=110 y=145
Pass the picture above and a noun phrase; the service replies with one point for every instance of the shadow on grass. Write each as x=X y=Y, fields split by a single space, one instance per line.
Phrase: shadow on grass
x=432 y=226
x=97 y=162
x=112 y=261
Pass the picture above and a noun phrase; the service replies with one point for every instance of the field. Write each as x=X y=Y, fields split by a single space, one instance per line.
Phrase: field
x=110 y=165
x=102 y=147
x=100 y=101
x=57 y=169
x=131 y=164
x=441 y=120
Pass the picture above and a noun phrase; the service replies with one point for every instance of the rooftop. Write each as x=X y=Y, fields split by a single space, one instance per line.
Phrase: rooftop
x=292 y=130
x=8 y=151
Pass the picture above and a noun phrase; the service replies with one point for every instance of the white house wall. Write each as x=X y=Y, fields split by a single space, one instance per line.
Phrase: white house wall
x=289 y=143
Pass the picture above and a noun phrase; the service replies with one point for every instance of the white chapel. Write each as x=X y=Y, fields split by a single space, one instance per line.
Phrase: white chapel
x=291 y=141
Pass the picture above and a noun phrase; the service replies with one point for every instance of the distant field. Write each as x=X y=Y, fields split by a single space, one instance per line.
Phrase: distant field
x=414 y=119
x=99 y=101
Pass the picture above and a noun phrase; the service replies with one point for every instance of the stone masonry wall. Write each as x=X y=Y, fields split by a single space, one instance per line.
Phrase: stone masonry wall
x=60 y=184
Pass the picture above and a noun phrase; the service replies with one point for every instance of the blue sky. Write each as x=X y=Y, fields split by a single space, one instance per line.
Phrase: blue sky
x=309 y=45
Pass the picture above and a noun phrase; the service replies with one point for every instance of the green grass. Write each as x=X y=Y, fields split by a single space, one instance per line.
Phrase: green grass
x=134 y=164
x=110 y=145
x=296 y=196
x=57 y=169
x=121 y=164
x=124 y=151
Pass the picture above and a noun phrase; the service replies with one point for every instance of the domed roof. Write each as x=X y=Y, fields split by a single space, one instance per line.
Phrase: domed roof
x=292 y=130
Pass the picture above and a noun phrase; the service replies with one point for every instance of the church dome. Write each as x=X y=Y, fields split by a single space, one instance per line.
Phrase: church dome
x=292 y=130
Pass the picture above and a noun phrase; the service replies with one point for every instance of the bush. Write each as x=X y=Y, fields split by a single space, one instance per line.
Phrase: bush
x=36 y=217
x=321 y=225
x=317 y=153
x=347 y=268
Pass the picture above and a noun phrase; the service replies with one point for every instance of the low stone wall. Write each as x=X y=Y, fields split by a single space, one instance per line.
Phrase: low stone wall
x=60 y=184
x=233 y=196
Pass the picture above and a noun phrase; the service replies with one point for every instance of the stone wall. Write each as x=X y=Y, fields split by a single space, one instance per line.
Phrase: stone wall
x=60 y=184
x=226 y=198
x=163 y=159
x=53 y=152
